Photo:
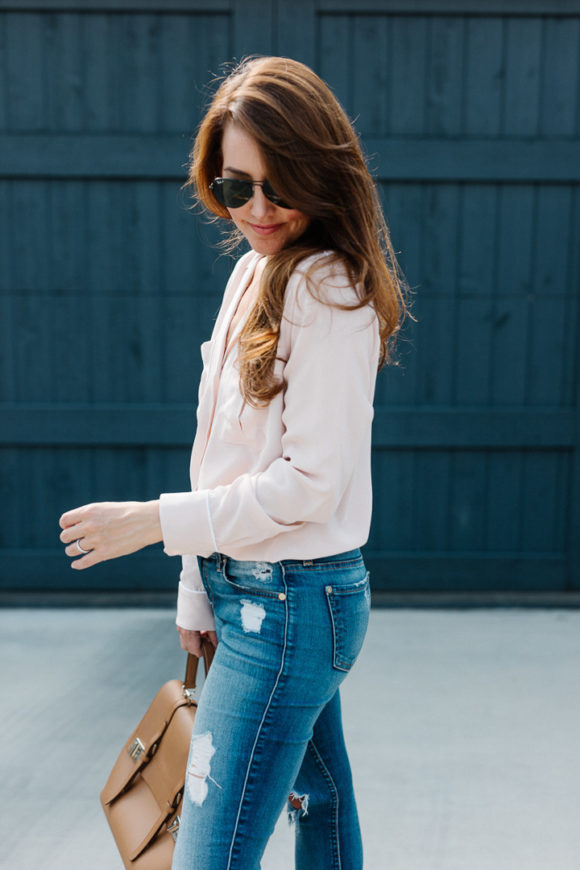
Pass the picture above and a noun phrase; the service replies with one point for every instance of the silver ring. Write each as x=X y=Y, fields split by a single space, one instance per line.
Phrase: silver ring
x=80 y=549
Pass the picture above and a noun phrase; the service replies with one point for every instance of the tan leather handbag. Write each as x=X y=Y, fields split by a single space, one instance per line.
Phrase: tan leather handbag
x=142 y=797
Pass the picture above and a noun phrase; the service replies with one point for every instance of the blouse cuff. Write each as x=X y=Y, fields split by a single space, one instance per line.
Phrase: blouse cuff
x=194 y=611
x=186 y=523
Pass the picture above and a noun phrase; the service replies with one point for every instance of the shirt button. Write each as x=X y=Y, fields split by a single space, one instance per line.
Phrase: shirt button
x=282 y=596
x=329 y=589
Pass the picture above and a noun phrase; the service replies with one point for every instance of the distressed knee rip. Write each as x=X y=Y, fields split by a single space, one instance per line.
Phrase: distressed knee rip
x=253 y=616
x=198 y=771
x=298 y=808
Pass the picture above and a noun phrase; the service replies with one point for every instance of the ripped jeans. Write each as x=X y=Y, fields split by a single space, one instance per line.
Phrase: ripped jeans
x=268 y=731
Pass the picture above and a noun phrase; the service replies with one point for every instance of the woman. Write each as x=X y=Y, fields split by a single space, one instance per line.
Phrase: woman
x=280 y=472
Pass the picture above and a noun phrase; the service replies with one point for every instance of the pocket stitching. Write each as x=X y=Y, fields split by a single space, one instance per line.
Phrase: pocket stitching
x=250 y=590
x=339 y=662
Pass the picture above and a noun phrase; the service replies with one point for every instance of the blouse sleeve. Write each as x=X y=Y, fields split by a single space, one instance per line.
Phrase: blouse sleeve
x=332 y=357
x=194 y=610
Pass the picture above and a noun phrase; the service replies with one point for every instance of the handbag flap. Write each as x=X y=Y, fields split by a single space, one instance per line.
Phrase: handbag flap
x=142 y=743
x=165 y=774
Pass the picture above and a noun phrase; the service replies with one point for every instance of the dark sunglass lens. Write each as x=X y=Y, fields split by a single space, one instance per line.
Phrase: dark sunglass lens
x=237 y=192
x=271 y=194
x=217 y=191
x=231 y=192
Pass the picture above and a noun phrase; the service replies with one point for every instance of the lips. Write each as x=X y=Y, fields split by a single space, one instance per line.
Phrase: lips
x=265 y=230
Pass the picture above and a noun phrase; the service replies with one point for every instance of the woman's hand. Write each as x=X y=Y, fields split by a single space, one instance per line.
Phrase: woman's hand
x=191 y=640
x=109 y=529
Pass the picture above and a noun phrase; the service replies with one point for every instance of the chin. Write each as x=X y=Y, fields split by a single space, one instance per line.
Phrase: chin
x=266 y=248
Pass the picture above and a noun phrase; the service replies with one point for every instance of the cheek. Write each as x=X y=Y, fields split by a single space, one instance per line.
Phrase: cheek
x=299 y=222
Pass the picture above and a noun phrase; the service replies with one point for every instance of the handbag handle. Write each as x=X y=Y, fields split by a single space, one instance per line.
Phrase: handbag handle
x=207 y=653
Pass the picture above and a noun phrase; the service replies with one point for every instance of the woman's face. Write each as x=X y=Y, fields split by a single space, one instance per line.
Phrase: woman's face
x=267 y=227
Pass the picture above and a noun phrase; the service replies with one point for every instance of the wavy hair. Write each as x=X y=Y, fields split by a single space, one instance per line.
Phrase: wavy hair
x=314 y=161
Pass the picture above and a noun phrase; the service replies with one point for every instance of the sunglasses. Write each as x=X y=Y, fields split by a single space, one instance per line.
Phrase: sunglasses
x=235 y=192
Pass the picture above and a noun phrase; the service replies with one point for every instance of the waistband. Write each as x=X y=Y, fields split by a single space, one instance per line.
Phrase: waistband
x=346 y=558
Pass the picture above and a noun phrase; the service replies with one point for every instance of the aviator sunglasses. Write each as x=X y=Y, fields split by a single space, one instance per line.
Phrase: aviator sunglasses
x=235 y=192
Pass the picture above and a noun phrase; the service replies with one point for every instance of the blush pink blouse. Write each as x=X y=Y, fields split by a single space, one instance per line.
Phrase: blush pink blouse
x=292 y=480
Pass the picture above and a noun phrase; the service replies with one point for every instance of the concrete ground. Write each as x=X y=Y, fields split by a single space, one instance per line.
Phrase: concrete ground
x=463 y=727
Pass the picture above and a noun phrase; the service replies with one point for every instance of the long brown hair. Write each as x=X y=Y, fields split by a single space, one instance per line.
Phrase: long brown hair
x=314 y=161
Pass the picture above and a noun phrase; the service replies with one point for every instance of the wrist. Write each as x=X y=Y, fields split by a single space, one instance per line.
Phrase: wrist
x=150 y=511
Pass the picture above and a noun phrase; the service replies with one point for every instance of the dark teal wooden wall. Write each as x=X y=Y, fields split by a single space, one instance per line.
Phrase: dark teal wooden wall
x=469 y=111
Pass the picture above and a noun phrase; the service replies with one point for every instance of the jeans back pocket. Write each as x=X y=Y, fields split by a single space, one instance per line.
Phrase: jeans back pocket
x=349 y=608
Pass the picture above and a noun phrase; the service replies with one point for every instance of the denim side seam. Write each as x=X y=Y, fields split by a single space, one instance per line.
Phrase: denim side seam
x=336 y=862
x=260 y=728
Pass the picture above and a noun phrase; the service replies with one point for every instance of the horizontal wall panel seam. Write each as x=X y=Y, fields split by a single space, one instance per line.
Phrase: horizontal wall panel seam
x=503 y=8
x=76 y=7
x=389 y=7
x=173 y=425
x=34 y=155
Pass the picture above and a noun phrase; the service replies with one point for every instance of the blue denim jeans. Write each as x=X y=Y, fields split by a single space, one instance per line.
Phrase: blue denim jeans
x=269 y=724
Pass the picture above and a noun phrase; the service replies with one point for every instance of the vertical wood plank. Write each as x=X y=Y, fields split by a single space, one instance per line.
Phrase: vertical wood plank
x=403 y=206
x=484 y=76
x=10 y=481
x=296 y=30
x=550 y=286
x=25 y=91
x=95 y=31
x=409 y=73
x=559 y=84
x=431 y=495
x=180 y=37
x=513 y=295
x=435 y=302
x=394 y=524
x=67 y=325
x=32 y=349
x=467 y=517
x=445 y=76
x=504 y=498
x=184 y=330
x=67 y=238
x=64 y=73
x=508 y=362
x=29 y=215
x=147 y=263
x=434 y=349
x=7 y=350
x=141 y=71
x=6 y=229
x=476 y=288
x=4 y=124
x=473 y=343
x=369 y=72
x=540 y=498
x=253 y=29
x=523 y=60
x=332 y=60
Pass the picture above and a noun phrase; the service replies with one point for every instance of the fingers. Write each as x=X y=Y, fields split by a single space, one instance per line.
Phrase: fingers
x=190 y=641
x=75 y=529
x=82 y=559
x=74 y=525
x=72 y=518
x=211 y=636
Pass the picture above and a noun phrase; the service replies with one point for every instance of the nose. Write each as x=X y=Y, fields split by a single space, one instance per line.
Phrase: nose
x=260 y=205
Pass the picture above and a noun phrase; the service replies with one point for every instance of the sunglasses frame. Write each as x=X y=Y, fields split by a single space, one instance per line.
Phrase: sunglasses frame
x=219 y=188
